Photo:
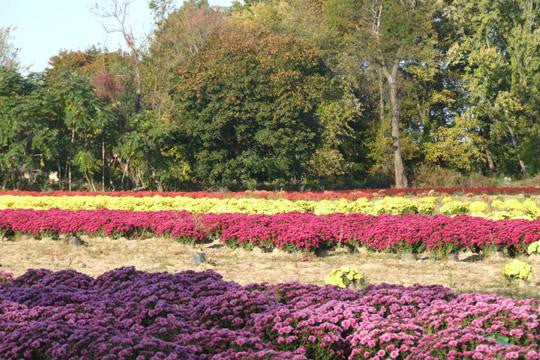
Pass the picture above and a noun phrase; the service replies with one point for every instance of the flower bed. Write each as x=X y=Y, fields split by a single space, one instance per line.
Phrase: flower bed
x=495 y=209
x=290 y=231
x=131 y=314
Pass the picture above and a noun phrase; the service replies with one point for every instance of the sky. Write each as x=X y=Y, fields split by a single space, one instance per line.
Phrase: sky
x=44 y=27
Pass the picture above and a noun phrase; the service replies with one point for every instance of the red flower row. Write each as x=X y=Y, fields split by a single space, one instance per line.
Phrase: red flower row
x=308 y=195
x=304 y=231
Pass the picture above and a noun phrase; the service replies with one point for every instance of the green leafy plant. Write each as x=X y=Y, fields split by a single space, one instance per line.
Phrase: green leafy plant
x=517 y=269
x=344 y=277
x=534 y=248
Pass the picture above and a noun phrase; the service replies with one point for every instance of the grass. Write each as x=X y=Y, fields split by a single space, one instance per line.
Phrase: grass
x=161 y=254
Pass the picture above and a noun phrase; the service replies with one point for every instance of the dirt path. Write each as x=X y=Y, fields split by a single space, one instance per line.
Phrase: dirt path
x=161 y=254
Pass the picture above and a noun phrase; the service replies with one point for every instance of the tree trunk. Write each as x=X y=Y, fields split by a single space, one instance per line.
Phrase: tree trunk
x=70 y=157
x=399 y=168
x=102 y=165
x=138 y=96
x=523 y=167
x=60 y=178
x=381 y=97
x=491 y=164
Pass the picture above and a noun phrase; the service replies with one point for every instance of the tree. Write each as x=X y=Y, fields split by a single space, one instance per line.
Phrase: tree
x=8 y=53
x=178 y=38
x=390 y=36
x=344 y=113
x=246 y=109
x=21 y=121
x=117 y=11
x=496 y=46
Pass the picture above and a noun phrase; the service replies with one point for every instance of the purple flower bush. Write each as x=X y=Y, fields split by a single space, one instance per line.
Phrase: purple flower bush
x=129 y=314
x=289 y=231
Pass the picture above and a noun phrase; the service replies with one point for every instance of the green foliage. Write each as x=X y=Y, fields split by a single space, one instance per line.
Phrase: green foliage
x=496 y=46
x=285 y=94
x=248 y=109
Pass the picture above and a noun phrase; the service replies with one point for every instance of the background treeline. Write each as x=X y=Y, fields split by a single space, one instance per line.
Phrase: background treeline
x=284 y=94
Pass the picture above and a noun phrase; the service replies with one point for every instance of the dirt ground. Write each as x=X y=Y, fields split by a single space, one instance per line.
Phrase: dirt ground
x=98 y=255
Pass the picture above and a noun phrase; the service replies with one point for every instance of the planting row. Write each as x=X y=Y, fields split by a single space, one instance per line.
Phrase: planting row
x=488 y=208
x=290 y=231
x=291 y=195
x=128 y=314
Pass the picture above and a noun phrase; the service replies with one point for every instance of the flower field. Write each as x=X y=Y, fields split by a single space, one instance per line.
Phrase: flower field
x=289 y=231
x=129 y=314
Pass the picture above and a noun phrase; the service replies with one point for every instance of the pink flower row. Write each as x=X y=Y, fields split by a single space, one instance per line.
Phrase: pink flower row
x=308 y=195
x=304 y=231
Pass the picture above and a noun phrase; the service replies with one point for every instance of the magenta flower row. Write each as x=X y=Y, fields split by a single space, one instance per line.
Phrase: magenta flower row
x=129 y=314
x=304 y=231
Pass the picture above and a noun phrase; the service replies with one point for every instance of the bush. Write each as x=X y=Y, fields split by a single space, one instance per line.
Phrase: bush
x=427 y=176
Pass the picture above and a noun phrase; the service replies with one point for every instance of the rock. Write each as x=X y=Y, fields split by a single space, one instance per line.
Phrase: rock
x=267 y=250
x=199 y=258
x=26 y=237
x=357 y=250
x=453 y=256
x=322 y=252
x=497 y=256
x=465 y=254
x=279 y=252
x=215 y=245
x=262 y=250
x=75 y=241
x=408 y=257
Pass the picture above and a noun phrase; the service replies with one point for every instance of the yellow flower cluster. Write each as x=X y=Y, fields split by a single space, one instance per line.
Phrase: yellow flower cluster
x=534 y=248
x=395 y=205
x=517 y=269
x=345 y=276
x=496 y=209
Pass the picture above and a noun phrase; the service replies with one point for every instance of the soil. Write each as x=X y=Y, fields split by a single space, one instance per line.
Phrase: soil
x=99 y=255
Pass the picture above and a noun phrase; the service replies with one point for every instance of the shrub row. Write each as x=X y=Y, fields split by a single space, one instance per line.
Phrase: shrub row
x=289 y=231
x=292 y=195
x=128 y=314
x=496 y=209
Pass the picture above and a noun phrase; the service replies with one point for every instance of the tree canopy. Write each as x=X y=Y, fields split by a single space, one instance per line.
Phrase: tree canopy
x=283 y=94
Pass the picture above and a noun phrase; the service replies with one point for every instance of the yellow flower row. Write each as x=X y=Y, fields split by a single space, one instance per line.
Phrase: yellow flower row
x=498 y=209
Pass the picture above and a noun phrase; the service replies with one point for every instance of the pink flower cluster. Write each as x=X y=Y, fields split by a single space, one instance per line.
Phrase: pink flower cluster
x=298 y=230
x=293 y=195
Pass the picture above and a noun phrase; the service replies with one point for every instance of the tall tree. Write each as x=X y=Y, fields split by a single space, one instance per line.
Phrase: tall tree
x=116 y=16
x=8 y=52
x=178 y=38
x=497 y=45
x=389 y=36
x=246 y=109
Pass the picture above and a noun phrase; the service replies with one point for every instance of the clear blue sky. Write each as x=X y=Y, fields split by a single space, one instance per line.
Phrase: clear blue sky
x=44 y=27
